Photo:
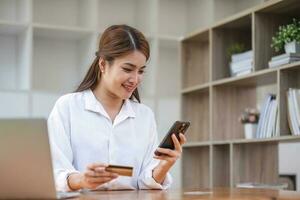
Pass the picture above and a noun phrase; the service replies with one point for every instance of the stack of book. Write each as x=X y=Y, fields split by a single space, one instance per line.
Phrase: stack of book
x=241 y=63
x=267 y=124
x=284 y=59
x=293 y=103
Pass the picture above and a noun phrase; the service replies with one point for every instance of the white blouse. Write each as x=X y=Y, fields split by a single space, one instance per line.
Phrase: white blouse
x=81 y=132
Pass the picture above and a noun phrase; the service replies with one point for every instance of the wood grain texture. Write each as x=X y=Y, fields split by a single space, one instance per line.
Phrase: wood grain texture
x=289 y=78
x=196 y=110
x=195 y=61
x=221 y=166
x=195 y=163
x=255 y=163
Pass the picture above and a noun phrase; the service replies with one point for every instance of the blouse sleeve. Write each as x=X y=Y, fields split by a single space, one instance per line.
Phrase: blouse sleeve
x=146 y=180
x=62 y=155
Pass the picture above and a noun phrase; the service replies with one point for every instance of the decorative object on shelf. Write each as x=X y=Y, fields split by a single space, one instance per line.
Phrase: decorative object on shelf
x=293 y=112
x=288 y=37
x=250 y=119
x=284 y=59
x=267 y=124
x=241 y=61
x=278 y=186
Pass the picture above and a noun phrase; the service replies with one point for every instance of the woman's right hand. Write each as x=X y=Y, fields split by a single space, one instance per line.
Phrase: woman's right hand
x=94 y=176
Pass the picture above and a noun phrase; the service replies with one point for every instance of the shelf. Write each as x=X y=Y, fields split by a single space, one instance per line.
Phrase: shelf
x=197 y=88
x=74 y=57
x=12 y=28
x=256 y=78
x=267 y=21
x=15 y=51
x=289 y=78
x=136 y=13
x=223 y=36
x=54 y=13
x=195 y=144
x=60 y=32
x=195 y=60
x=255 y=162
x=196 y=111
x=195 y=168
x=221 y=157
x=230 y=100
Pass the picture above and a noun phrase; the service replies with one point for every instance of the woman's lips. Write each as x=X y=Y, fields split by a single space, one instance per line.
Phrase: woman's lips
x=129 y=88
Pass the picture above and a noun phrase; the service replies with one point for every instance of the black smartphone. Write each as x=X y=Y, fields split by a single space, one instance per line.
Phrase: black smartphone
x=167 y=142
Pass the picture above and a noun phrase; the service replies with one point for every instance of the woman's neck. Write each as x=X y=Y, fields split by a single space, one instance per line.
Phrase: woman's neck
x=111 y=103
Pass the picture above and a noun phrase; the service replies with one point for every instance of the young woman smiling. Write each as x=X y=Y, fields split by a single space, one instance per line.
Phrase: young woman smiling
x=104 y=122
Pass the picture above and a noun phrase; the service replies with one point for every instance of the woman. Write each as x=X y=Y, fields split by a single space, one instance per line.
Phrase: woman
x=103 y=122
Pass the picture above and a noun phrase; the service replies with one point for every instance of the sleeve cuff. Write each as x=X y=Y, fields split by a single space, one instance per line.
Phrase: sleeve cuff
x=61 y=182
x=149 y=182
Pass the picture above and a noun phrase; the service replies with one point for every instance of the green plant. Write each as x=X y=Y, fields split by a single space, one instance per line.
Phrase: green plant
x=235 y=48
x=285 y=34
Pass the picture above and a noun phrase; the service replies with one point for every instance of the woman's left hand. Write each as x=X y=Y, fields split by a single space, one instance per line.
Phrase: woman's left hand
x=170 y=156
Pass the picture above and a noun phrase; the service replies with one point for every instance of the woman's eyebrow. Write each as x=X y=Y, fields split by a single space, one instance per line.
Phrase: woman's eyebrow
x=132 y=65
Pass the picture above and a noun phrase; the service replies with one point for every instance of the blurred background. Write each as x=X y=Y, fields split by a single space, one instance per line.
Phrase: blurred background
x=46 y=47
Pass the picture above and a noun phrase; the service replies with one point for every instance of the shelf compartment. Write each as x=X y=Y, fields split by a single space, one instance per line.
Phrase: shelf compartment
x=255 y=162
x=230 y=99
x=15 y=51
x=195 y=60
x=69 y=13
x=136 y=13
x=221 y=157
x=14 y=10
x=266 y=23
x=59 y=65
x=195 y=167
x=195 y=109
x=223 y=36
x=60 y=32
x=289 y=78
x=168 y=86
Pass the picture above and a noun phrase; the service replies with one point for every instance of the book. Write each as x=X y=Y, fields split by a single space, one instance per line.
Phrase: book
x=285 y=55
x=293 y=113
x=239 y=66
x=283 y=61
x=242 y=56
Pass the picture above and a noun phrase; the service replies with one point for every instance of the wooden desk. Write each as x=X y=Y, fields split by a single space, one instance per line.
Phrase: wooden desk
x=217 y=194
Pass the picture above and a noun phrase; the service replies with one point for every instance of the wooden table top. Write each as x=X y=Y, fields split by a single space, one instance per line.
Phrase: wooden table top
x=213 y=194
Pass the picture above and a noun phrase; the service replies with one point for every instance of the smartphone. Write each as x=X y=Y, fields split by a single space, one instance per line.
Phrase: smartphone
x=167 y=142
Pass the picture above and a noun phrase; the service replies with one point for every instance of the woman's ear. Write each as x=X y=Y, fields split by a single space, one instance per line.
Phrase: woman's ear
x=102 y=65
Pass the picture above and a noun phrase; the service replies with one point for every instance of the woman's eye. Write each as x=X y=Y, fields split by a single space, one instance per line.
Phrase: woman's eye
x=127 y=70
x=141 y=71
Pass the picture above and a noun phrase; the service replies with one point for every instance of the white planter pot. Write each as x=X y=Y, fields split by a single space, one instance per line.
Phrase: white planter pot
x=292 y=47
x=250 y=130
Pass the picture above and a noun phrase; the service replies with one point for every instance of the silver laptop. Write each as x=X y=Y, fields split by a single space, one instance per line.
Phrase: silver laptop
x=25 y=161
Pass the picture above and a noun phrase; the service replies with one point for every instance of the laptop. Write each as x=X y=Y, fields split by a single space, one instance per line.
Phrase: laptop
x=25 y=161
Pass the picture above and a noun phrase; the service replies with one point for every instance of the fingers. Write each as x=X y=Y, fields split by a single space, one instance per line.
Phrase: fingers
x=167 y=152
x=182 y=139
x=176 y=143
x=96 y=165
x=91 y=173
x=98 y=180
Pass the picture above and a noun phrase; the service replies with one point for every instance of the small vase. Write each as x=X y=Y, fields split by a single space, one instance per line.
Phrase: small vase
x=292 y=47
x=250 y=130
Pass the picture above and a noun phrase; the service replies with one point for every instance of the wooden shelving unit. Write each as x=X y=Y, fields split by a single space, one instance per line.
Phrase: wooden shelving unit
x=217 y=152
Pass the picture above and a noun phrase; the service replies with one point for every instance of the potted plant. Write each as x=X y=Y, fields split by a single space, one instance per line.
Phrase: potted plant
x=288 y=38
x=249 y=119
x=235 y=48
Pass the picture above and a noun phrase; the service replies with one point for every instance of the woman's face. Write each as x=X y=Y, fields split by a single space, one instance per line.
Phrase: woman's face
x=124 y=75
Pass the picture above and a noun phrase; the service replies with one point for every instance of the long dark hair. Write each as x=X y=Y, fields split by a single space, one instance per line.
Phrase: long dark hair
x=116 y=41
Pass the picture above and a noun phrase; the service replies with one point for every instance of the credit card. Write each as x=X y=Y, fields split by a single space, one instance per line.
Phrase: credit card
x=120 y=170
